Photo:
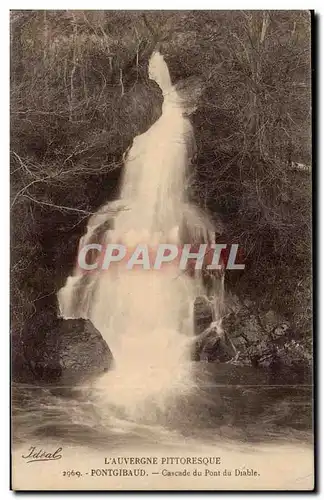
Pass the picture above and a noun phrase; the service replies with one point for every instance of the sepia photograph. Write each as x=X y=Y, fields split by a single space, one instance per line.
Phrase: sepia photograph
x=161 y=309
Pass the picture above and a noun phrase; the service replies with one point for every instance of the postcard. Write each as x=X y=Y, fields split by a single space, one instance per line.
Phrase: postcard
x=161 y=253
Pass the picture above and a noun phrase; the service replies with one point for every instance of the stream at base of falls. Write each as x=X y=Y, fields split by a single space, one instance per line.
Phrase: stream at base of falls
x=228 y=403
x=258 y=424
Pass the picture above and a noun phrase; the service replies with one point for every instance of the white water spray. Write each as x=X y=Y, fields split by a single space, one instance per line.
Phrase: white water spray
x=146 y=316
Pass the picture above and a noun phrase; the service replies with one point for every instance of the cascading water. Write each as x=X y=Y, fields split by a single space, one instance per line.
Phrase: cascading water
x=146 y=316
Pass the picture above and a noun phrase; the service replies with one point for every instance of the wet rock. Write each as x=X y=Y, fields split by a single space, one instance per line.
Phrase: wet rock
x=61 y=351
x=214 y=345
x=203 y=314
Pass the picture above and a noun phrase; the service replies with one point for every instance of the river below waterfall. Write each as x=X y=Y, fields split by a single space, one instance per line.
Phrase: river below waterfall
x=246 y=416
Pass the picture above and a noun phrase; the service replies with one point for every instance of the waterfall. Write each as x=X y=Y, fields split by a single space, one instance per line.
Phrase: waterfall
x=146 y=316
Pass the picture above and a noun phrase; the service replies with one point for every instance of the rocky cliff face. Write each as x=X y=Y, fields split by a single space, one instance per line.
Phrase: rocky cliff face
x=249 y=336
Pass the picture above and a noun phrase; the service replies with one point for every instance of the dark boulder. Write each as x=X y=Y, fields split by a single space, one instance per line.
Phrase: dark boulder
x=59 y=351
